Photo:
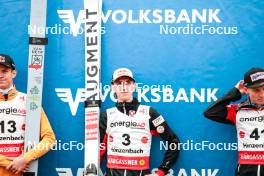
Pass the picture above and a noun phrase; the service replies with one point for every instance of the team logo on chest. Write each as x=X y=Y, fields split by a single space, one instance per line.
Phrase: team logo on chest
x=132 y=113
x=242 y=134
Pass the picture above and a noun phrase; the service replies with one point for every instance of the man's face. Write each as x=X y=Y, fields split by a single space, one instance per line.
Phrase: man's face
x=124 y=88
x=6 y=77
x=256 y=95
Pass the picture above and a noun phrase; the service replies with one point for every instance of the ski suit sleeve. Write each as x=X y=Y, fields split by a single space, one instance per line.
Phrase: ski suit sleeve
x=3 y=161
x=160 y=128
x=103 y=135
x=221 y=110
x=47 y=140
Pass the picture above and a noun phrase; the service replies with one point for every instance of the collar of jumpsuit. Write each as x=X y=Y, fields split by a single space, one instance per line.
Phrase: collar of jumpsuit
x=125 y=107
x=11 y=94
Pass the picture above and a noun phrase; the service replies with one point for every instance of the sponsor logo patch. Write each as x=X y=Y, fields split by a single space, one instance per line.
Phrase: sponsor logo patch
x=159 y=120
x=257 y=76
x=241 y=134
x=160 y=129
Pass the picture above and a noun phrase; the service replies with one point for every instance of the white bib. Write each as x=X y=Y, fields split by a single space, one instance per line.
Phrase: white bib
x=250 y=134
x=129 y=139
x=12 y=125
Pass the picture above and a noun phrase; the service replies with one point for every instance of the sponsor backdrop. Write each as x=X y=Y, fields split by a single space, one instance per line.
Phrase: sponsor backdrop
x=184 y=54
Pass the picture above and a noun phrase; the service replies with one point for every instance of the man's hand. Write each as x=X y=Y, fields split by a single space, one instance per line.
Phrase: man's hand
x=17 y=165
x=240 y=86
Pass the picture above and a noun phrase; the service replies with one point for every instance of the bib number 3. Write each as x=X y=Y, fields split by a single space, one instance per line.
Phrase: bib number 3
x=126 y=138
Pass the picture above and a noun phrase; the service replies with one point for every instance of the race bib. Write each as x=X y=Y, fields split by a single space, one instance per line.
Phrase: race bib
x=12 y=126
x=129 y=139
x=250 y=134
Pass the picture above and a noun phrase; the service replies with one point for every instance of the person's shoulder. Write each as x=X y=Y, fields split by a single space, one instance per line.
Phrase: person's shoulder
x=245 y=105
x=21 y=93
x=145 y=106
x=109 y=110
x=153 y=112
x=152 y=109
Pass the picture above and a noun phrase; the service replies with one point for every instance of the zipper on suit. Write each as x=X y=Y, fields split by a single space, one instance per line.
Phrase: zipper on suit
x=124 y=108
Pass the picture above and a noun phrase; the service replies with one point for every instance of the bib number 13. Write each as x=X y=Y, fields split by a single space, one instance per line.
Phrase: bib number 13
x=256 y=134
x=9 y=126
